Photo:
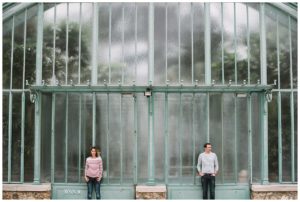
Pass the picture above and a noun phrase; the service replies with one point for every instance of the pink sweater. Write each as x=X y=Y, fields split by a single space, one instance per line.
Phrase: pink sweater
x=93 y=167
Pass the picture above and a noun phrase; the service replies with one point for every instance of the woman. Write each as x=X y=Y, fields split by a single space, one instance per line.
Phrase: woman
x=93 y=173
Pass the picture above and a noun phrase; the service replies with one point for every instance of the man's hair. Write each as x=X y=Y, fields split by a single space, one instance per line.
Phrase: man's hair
x=205 y=145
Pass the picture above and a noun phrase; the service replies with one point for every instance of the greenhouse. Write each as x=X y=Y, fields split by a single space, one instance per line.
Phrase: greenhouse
x=149 y=84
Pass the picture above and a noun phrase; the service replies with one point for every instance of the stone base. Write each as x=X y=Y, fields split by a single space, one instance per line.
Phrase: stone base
x=26 y=191
x=151 y=192
x=274 y=192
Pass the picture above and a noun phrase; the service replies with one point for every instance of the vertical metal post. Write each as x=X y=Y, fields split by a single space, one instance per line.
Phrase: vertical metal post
x=235 y=142
x=79 y=51
x=292 y=105
x=107 y=137
x=123 y=30
x=179 y=52
x=207 y=116
x=264 y=104
x=222 y=40
x=192 y=42
x=234 y=27
x=248 y=44
x=109 y=48
x=121 y=139
x=9 y=136
x=194 y=139
x=222 y=135
x=94 y=120
x=135 y=140
x=166 y=43
x=249 y=110
x=53 y=137
x=207 y=44
x=151 y=42
x=180 y=138
x=67 y=45
x=166 y=139
x=95 y=45
x=54 y=48
x=135 y=44
x=37 y=120
x=66 y=138
x=79 y=137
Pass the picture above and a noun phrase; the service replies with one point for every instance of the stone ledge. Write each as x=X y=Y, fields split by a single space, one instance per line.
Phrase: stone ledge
x=274 y=188
x=27 y=187
x=156 y=188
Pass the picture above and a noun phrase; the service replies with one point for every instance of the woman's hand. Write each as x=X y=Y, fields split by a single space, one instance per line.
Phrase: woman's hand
x=86 y=178
x=98 y=179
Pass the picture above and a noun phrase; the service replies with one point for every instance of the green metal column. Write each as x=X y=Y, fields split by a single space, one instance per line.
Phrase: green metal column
x=53 y=137
x=37 y=124
x=264 y=103
x=95 y=45
x=207 y=44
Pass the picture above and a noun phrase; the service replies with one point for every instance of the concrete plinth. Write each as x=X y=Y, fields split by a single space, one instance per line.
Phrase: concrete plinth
x=151 y=192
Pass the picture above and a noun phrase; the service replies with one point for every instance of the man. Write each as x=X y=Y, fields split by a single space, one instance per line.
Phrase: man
x=208 y=168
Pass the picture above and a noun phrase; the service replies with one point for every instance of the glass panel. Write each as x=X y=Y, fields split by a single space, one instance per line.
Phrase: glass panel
x=17 y=82
x=216 y=41
x=215 y=129
x=5 y=119
x=241 y=42
x=142 y=44
x=73 y=135
x=101 y=130
x=186 y=133
x=86 y=42
x=172 y=43
x=29 y=140
x=46 y=138
x=129 y=43
x=142 y=135
x=60 y=133
x=128 y=137
x=185 y=43
x=6 y=54
x=242 y=140
x=48 y=44
x=254 y=29
x=174 y=138
x=286 y=137
x=229 y=139
x=273 y=138
x=198 y=43
x=114 y=139
x=116 y=64
x=284 y=53
x=30 y=58
x=103 y=47
x=200 y=115
x=294 y=51
x=160 y=44
x=271 y=40
x=16 y=138
x=256 y=140
x=159 y=136
x=229 y=52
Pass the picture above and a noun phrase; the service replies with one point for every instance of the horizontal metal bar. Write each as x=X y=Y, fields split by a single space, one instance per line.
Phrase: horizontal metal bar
x=170 y=89
x=15 y=90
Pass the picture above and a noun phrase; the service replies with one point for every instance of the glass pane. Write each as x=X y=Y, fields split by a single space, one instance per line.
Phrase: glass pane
x=46 y=138
x=73 y=135
x=174 y=137
x=256 y=140
x=128 y=138
x=242 y=141
x=229 y=52
x=48 y=45
x=241 y=42
x=216 y=41
x=18 y=52
x=101 y=130
x=253 y=12
x=30 y=59
x=29 y=140
x=294 y=51
x=185 y=12
x=142 y=135
x=172 y=43
x=286 y=137
x=7 y=26
x=215 y=129
x=273 y=138
x=142 y=43
x=5 y=118
x=86 y=42
x=160 y=44
x=114 y=139
x=229 y=139
x=186 y=133
x=60 y=134
x=199 y=73
x=200 y=115
x=159 y=136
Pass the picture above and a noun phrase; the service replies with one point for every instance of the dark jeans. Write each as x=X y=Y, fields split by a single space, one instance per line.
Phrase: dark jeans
x=93 y=183
x=207 y=180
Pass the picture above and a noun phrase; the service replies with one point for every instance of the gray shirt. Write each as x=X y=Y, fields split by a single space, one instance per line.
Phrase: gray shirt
x=208 y=163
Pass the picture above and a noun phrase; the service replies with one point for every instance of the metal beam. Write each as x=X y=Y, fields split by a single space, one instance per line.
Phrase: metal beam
x=207 y=44
x=39 y=44
x=94 y=75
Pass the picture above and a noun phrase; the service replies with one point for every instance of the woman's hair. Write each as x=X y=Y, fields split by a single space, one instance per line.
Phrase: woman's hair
x=95 y=149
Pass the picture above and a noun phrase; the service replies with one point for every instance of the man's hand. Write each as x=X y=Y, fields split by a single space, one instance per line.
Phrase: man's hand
x=98 y=179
